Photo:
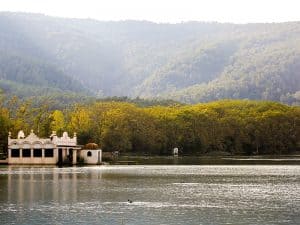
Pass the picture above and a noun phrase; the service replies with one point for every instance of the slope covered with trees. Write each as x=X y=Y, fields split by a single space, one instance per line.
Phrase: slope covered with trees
x=189 y=62
x=239 y=127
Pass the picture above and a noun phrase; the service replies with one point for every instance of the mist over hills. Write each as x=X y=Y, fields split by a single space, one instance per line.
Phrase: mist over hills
x=189 y=62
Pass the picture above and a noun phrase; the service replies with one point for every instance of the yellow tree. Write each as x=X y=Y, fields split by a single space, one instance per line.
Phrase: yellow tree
x=80 y=122
x=57 y=122
x=115 y=134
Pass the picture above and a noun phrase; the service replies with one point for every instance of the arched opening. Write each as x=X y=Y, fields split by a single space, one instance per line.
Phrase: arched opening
x=49 y=153
x=26 y=153
x=89 y=154
x=60 y=156
x=37 y=152
x=15 y=153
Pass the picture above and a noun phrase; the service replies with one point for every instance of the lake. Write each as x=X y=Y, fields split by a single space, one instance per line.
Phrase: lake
x=173 y=194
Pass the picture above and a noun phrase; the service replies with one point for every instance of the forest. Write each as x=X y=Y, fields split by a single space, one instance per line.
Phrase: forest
x=234 y=127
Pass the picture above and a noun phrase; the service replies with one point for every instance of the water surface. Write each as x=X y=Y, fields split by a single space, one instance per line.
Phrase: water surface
x=176 y=194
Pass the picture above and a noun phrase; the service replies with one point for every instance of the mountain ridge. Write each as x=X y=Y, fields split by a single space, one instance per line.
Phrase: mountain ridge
x=189 y=62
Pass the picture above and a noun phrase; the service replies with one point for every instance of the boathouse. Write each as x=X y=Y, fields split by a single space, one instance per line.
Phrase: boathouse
x=35 y=150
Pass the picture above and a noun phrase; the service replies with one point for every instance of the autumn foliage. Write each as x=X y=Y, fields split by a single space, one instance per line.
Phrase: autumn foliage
x=234 y=127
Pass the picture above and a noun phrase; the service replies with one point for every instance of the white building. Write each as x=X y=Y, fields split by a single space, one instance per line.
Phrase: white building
x=175 y=151
x=91 y=156
x=35 y=150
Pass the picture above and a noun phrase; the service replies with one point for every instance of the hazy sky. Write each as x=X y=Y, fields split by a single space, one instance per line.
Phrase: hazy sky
x=172 y=11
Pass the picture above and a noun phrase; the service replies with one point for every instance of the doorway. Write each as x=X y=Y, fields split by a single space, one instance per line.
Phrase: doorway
x=60 y=157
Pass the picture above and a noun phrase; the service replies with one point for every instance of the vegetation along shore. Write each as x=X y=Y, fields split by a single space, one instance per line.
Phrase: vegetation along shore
x=235 y=127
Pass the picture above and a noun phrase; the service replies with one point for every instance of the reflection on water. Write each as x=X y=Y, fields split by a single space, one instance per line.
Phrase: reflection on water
x=160 y=195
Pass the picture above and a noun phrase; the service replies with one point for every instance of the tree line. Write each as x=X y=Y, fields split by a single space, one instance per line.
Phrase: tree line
x=236 y=127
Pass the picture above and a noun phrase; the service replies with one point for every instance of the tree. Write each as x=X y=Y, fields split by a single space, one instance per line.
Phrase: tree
x=57 y=122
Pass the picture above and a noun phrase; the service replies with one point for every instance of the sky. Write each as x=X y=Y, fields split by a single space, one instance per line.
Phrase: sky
x=163 y=11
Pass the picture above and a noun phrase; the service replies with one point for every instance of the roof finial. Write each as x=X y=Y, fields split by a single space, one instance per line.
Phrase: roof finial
x=21 y=134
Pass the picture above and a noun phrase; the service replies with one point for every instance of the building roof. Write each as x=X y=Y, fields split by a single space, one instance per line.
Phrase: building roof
x=32 y=139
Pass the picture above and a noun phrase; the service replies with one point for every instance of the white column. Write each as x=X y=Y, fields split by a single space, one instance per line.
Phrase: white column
x=31 y=154
x=21 y=155
x=8 y=155
x=64 y=154
x=43 y=155
x=74 y=157
x=55 y=154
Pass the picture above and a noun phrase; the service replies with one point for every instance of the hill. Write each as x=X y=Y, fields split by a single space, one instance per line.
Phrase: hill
x=189 y=62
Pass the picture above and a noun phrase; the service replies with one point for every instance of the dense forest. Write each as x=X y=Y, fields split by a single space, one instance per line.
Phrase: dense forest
x=74 y=59
x=235 y=127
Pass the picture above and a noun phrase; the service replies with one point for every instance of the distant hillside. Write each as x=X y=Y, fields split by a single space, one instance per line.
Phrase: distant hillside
x=189 y=62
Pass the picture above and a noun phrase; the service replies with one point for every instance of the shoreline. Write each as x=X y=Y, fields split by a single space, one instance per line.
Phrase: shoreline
x=192 y=160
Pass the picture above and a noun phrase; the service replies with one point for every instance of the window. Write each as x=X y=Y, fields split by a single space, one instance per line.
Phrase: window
x=89 y=153
x=15 y=153
x=26 y=153
x=37 y=152
x=49 y=153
